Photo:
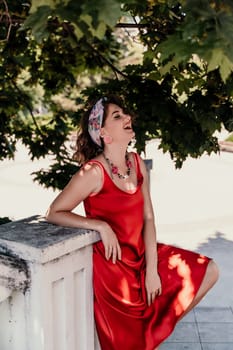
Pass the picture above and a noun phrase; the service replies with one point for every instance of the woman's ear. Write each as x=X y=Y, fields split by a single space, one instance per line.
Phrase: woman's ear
x=102 y=132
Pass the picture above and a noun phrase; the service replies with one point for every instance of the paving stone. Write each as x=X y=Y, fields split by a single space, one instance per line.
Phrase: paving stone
x=198 y=330
x=185 y=332
x=212 y=314
x=211 y=332
x=190 y=317
x=183 y=346
x=219 y=346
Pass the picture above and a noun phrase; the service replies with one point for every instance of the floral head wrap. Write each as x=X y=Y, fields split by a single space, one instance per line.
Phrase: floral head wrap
x=95 y=121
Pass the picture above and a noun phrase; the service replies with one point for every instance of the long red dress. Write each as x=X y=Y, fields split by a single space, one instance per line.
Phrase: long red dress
x=123 y=319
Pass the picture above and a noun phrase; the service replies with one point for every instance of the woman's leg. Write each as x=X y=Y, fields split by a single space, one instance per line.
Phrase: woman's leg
x=209 y=280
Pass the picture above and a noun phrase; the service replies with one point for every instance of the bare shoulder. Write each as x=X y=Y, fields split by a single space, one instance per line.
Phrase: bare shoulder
x=90 y=170
x=89 y=177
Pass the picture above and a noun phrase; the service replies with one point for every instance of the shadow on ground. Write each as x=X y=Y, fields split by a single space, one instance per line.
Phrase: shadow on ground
x=221 y=250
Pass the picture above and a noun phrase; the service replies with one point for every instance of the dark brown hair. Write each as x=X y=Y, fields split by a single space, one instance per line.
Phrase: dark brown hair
x=87 y=149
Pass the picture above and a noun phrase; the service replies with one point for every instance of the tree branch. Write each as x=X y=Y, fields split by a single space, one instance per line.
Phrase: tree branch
x=69 y=29
x=131 y=25
x=7 y=18
x=140 y=31
x=115 y=69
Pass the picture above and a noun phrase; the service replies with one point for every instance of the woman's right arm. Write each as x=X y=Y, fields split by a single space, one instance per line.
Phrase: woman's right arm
x=83 y=183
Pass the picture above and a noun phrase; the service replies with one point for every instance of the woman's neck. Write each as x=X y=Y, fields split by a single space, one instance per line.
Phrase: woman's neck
x=122 y=171
x=116 y=154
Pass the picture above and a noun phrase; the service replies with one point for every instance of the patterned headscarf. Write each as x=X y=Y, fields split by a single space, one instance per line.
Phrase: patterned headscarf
x=95 y=121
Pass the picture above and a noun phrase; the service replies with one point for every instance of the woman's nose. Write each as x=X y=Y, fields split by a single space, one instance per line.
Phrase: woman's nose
x=127 y=116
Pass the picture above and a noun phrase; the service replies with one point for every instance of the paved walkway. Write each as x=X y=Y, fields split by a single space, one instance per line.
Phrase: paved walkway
x=193 y=209
x=204 y=328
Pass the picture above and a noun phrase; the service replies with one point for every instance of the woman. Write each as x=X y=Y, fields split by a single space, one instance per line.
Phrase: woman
x=141 y=288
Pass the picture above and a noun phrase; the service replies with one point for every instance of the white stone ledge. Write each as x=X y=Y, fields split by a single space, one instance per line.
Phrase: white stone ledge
x=4 y=293
x=35 y=240
x=46 y=292
x=14 y=274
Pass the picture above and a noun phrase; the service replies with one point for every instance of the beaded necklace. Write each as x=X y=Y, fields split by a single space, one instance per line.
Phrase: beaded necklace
x=114 y=169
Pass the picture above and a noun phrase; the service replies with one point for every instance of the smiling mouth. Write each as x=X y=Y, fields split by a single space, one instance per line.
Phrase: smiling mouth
x=127 y=127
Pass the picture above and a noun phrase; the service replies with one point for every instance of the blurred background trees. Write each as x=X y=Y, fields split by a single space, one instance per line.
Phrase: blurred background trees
x=172 y=61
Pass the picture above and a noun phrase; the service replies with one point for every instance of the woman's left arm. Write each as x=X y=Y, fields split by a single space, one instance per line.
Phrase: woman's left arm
x=152 y=279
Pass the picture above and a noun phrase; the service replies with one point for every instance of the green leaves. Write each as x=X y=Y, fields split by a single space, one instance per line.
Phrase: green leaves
x=207 y=32
x=37 y=21
x=37 y=4
x=171 y=61
x=107 y=12
x=220 y=60
x=88 y=18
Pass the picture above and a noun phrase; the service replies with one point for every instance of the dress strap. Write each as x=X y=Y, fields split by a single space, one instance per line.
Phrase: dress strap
x=138 y=168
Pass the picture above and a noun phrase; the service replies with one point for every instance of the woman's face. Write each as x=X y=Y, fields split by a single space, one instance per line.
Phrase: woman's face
x=118 y=124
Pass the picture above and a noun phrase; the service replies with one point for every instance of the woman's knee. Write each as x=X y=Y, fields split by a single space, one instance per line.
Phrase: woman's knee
x=212 y=272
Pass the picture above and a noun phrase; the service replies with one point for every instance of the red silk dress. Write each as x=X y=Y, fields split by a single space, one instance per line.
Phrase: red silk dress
x=123 y=319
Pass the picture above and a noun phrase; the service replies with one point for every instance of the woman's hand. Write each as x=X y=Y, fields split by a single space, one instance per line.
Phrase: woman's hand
x=110 y=242
x=153 y=286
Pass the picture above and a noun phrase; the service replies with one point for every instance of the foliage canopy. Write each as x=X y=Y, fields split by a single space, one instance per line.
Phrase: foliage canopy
x=57 y=53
